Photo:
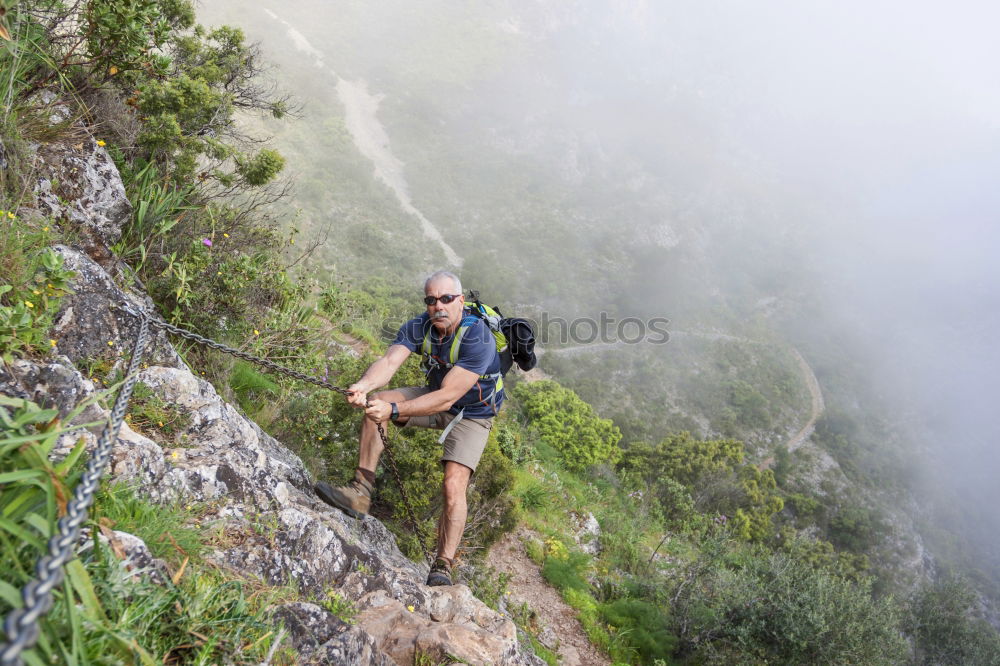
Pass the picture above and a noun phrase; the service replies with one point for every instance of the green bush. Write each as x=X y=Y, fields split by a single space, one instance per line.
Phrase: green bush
x=855 y=528
x=569 y=425
x=943 y=622
x=34 y=282
x=567 y=573
x=768 y=607
x=714 y=474
x=644 y=626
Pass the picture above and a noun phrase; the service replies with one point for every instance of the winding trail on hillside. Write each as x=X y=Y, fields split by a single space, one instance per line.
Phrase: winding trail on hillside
x=817 y=405
x=816 y=396
x=370 y=137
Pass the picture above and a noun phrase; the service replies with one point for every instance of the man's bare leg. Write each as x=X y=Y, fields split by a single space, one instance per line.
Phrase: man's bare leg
x=453 y=516
x=354 y=498
x=370 y=449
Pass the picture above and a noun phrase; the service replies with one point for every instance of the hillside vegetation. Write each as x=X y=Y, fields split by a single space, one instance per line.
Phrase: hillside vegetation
x=705 y=554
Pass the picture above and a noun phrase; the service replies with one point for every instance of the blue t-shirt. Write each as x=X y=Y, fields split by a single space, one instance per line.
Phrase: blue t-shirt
x=477 y=352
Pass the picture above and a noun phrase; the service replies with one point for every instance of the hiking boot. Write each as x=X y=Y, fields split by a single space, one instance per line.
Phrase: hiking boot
x=440 y=573
x=354 y=499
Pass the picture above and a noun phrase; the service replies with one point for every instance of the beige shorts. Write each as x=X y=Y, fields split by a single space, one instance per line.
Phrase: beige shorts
x=464 y=443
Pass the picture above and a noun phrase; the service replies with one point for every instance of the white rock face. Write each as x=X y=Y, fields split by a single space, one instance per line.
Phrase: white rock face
x=77 y=182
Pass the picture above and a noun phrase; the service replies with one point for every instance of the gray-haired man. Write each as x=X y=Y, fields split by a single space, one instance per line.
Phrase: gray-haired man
x=463 y=393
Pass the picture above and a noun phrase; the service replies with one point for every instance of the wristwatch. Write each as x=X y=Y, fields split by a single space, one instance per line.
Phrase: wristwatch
x=395 y=411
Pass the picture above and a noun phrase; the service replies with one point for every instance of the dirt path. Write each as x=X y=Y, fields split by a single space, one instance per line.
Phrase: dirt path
x=817 y=403
x=526 y=585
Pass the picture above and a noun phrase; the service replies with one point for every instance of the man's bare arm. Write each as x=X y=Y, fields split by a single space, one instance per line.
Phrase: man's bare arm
x=378 y=374
x=454 y=385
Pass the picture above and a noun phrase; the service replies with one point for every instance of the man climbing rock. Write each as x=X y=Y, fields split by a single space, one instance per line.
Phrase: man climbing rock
x=463 y=393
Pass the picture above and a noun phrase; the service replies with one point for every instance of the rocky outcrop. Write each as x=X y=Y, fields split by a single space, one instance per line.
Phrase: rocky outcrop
x=77 y=183
x=276 y=530
x=91 y=317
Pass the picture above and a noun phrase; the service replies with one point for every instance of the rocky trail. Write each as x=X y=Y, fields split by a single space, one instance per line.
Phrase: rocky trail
x=556 y=623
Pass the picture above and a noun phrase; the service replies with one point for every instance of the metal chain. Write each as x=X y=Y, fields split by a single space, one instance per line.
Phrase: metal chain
x=406 y=501
x=21 y=624
x=282 y=370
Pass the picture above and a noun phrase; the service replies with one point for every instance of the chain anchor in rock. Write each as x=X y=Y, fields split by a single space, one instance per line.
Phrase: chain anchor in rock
x=21 y=624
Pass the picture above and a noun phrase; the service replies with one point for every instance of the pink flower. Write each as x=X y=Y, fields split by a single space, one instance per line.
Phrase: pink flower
x=207 y=242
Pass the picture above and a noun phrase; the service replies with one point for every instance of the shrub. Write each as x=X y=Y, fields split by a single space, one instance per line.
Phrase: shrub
x=714 y=474
x=34 y=284
x=644 y=626
x=569 y=425
x=943 y=622
x=567 y=573
x=751 y=604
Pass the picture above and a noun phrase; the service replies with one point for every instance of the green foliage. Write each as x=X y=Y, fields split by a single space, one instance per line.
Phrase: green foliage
x=488 y=584
x=188 y=104
x=149 y=413
x=944 y=624
x=512 y=444
x=252 y=387
x=821 y=554
x=343 y=608
x=535 y=551
x=120 y=34
x=713 y=473
x=569 y=425
x=750 y=405
x=157 y=207
x=567 y=572
x=35 y=282
x=645 y=627
x=767 y=607
x=803 y=506
x=261 y=168
x=166 y=529
x=533 y=494
x=855 y=528
x=103 y=612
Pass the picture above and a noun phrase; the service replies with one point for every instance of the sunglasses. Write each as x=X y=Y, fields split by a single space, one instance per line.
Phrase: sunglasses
x=446 y=299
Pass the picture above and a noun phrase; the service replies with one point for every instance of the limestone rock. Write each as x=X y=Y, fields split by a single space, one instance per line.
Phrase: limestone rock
x=134 y=555
x=588 y=535
x=78 y=184
x=88 y=318
x=320 y=637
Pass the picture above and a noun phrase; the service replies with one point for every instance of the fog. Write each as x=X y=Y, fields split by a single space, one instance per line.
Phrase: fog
x=840 y=157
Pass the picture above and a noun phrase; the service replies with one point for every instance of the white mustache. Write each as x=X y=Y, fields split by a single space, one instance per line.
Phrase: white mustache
x=440 y=314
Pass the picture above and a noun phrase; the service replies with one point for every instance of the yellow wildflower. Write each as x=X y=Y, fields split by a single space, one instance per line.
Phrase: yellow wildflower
x=409 y=608
x=45 y=228
x=100 y=142
x=52 y=343
x=29 y=304
x=225 y=235
x=36 y=292
x=256 y=332
x=111 y=343
x=10 y=214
